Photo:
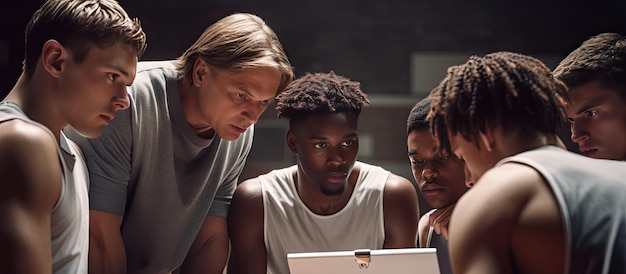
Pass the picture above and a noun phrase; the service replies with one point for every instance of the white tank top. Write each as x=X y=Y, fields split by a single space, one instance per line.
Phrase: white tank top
x=70 y=215
x=290 y=226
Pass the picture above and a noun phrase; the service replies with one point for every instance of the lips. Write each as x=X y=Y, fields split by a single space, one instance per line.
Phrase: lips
x=239 y=129
x=589 y=152
x=337 y=176
x=429 y=188
x=107 y=117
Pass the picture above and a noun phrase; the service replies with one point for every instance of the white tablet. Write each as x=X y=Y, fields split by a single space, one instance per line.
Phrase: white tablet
x=365 y=261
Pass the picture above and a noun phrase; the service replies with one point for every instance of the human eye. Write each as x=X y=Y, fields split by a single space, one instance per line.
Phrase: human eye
x=112 y=76
x=240 y=96
x=591 y=113
x=417 y=162
x=347 y=143
x=265 y=102
x=443 y=158
x=570 y=120
x=320 y=145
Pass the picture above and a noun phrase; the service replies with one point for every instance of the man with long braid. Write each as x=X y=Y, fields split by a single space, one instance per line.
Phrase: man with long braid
x=535 y=208
x=329 y=201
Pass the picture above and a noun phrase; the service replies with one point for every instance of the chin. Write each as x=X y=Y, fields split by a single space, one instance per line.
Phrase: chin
x=90 y=132
x=229 y=137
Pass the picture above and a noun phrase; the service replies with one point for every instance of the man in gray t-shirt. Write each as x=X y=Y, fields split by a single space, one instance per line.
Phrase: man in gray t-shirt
x=164 y=171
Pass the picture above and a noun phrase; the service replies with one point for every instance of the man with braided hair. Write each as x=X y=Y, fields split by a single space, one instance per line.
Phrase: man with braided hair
x=535 y=208
x=329 y=201
x=595 y=73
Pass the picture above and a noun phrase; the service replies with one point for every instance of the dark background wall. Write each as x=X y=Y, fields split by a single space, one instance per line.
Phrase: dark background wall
x=366 y=40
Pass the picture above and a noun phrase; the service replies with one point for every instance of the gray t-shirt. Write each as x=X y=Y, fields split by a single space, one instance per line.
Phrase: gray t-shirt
x=151 y=167
x=591 y=194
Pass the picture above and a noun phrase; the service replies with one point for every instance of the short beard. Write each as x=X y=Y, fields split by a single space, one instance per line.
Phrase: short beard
x=335 y=192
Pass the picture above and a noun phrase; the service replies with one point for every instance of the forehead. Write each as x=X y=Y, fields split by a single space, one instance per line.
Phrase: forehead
x=421 y=140
x=327 y=123
x=260 y=82
x=592 y=93
x=119 y=56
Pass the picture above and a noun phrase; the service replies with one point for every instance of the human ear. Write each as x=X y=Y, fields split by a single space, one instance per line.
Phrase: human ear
x=291 y=141
x=53 y=57
x=469 y=182
x=200 y=71
x=488 y=139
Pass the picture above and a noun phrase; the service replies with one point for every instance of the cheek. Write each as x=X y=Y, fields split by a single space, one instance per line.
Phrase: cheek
x=417 y=173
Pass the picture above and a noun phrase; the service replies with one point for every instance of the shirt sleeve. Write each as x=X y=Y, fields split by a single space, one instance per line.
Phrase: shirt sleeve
x=109 y=163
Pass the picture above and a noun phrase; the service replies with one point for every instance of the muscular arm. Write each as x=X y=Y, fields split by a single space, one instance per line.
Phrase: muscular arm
x=485 y=218
x=209 y=251
x=401 y=213
x=30 y=187
x=245 y=226
x=106 y=248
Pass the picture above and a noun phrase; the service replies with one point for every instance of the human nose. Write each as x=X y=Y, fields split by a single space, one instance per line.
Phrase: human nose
x=253 y=112
x=121 y=101
x=336 y=157
x=578 y=132
x=429 y=173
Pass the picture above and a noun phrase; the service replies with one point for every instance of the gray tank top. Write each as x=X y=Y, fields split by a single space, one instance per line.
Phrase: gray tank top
x=439 y=242
x=591 y=194
x=290 y=226
x=70 y=215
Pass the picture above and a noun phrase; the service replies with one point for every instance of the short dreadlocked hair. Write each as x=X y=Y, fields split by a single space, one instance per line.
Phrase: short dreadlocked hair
x=417 y=117
x=510 y=90
x=320 y=93
x=601 y=57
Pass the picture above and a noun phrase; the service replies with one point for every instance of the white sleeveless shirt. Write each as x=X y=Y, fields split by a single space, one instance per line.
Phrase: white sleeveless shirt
x=290 y=226
x=70 y=215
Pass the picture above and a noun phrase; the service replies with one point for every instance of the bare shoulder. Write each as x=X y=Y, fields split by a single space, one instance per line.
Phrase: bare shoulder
x=503 y=192
x=249 y=189
x=488 y=217
x=399 y=185
x=26 y=145
x=29 y=161
x=247 y=201
x=510 y=180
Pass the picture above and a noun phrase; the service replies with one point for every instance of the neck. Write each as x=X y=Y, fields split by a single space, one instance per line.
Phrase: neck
x=36 y=99
x=318 y=202
x=191 y=109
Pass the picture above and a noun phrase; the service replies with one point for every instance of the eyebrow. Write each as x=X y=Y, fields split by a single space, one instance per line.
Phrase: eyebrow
x=349 y=135
x=592 y=103
x=119 y=69
x=414 y=152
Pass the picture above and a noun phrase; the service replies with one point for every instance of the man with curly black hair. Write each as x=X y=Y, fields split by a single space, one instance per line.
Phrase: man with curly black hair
x=329 y=201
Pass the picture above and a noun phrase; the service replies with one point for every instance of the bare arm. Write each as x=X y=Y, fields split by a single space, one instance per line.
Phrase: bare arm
x=106 y=248
x=245 y=226
x=30 y=187
x=484 y=219
x=209 y=251
x=401 y=213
